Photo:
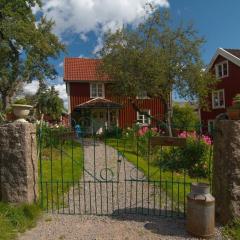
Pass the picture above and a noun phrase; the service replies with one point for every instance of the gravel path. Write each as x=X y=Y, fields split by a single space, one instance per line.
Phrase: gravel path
x=117 y=198
x=73 y=227
x=121 y=193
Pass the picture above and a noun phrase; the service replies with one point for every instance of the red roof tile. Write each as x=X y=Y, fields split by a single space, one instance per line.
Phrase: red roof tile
x=82 y=69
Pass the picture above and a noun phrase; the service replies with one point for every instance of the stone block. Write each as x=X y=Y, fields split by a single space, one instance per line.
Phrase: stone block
x=226 y=170
x=18 y=163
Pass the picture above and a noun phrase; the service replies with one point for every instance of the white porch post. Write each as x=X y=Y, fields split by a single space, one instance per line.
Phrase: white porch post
x=117 y=117
x=108 y=118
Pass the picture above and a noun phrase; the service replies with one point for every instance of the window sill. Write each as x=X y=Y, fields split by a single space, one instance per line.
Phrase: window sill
x=96 y=97
x=215 y=108
x=218 y=77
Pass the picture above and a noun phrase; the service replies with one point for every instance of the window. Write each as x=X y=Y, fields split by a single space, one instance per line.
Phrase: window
x=211 y=124
x=142 y=95
x=218 y=99
x=97 y=90
x=221 y=69
x=142 y=118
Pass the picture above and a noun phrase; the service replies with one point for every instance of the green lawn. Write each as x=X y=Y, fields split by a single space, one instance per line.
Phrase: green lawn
x=176 y=185
x=61 y=169
x=14 y=219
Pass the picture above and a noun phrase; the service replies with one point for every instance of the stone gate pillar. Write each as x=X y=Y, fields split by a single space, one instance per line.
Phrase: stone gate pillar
x=226 y=170
x=18 y=163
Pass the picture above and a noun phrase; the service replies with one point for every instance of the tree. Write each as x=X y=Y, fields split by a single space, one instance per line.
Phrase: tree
x=26 y=44
x=158 y=58
x=49 y=103
x=185 y=117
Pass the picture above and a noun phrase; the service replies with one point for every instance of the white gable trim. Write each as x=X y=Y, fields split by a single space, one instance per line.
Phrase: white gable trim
x=230 y=57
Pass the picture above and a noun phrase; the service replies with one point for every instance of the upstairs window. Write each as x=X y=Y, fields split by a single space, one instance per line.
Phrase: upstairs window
x=97 y=90
x=142 y=118
x=221 y=69
x=218 y=99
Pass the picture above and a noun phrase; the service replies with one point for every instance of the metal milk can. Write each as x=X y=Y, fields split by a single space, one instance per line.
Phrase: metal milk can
x=201 y=211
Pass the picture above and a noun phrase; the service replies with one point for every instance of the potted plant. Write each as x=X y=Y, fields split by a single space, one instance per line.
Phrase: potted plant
x=234 y=110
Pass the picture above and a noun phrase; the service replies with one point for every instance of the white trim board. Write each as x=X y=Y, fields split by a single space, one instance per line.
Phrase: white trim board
x=225 y=54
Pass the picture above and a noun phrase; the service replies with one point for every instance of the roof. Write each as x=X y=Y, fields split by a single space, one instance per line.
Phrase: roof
x=83 y=69
x=232 y=55
x=235 y=52
x=98 y=103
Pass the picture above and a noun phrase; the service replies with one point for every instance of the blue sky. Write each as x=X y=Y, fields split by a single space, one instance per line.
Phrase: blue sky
x=216 y=20
x=81 y=23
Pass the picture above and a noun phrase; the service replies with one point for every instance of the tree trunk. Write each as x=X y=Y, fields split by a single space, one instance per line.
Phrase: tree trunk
x=169 y=114
x=6 y=101
x=169 y=122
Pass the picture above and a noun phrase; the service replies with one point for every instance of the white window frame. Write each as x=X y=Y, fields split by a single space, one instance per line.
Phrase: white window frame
x=218 y=92
x=210 y=121
x=144 y=117
x=216 y=69
x=97 y=87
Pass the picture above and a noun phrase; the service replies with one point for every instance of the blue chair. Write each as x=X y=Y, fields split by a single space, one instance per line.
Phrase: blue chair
x=78 y=131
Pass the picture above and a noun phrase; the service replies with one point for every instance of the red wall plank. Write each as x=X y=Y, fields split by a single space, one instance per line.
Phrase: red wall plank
x=231 y=84
x=80 y=92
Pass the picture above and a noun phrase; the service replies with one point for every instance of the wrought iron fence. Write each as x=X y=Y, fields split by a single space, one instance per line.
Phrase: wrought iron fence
x=135 y=171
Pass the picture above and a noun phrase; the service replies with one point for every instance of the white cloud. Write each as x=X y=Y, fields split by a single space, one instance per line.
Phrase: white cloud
x=83 y=16
x=98 y=46
x=31 y=88
x=61 y=88
x=59 y=85
x=83 y=37
x=60 y=64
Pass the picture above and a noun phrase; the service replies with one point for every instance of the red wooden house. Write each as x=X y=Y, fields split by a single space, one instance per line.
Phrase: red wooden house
x=91 y=101
x=225 y=64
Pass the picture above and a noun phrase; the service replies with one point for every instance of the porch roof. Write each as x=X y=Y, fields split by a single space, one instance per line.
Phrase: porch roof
x=99 y=103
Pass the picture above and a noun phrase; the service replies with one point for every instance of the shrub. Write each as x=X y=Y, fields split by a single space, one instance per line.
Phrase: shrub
x=194 y=157
x=114 y=132
x=52 y=136
x=185 y=117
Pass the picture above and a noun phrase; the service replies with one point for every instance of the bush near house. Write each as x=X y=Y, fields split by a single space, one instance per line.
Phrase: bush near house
x=194 y=157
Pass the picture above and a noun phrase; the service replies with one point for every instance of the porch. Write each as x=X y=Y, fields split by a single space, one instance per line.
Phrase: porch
x=98 y=114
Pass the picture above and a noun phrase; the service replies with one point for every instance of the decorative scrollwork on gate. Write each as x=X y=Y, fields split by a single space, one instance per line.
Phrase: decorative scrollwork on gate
x=106 y=174
x=135 y=174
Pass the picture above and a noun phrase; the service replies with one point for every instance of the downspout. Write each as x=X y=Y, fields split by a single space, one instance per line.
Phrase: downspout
x=69 y=103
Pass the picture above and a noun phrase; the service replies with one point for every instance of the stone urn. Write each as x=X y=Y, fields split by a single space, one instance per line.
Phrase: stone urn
x=21 y=111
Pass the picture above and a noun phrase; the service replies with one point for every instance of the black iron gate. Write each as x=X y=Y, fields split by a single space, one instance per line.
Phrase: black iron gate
x=135 y=171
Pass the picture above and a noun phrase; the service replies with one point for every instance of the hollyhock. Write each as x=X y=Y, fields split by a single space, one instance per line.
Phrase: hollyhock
x=142 y=130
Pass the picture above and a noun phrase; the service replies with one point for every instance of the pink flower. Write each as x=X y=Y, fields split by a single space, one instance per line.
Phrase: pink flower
x=154 y=129
x=194 y=135
x=207 y=139
x=142 y=130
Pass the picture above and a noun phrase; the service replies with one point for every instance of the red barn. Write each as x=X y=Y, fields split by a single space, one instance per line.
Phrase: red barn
x=90 y=98
x=225 y=64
